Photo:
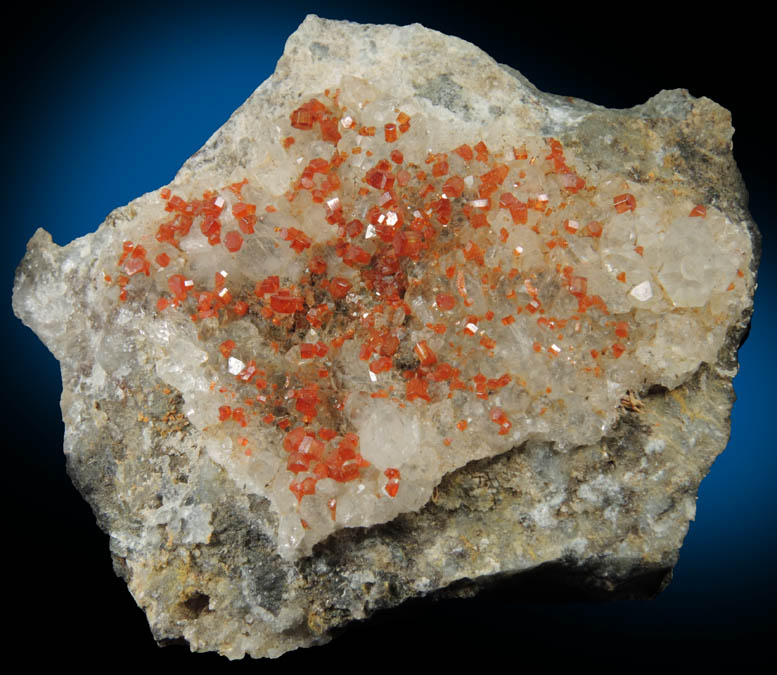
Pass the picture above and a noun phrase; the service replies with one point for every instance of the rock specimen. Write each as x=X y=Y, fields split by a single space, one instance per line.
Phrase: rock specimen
x=401 y=288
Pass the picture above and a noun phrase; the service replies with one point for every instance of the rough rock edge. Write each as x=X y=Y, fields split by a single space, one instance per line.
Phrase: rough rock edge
x=240 y=552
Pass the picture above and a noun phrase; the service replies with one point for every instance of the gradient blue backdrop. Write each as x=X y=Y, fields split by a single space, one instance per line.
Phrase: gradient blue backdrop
x=102 y=105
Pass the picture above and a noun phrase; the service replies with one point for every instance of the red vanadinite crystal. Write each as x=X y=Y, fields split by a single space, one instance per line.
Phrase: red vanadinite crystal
x=226 y=348
x=417 y=388
x=316 y=315
x=306 y=400
x=237 y=188
x=492 y=179
x=442 y=211
x=135 y=265
x=177 y=285
x=308 y=450
x=578 y=286
x=473 y=252
x=304 y=487
x=389 y=345
x=354 y=228
x=342 y=463
x=269 y=285
x=327 y=434
x=211 y=228
x=238 y=415
x=445 y=301
x=440 y=168
x=390 y=132
x=339 y=288
x=624 y=202
x=302 y=119
x=233 y=241
x=175 y=204
x=478 y=220
x=453 y=187
x=487 y=342
x=293 y=438
x=594 y=228
x=355 y=256
x=465 y=152
x=285 y=303
x=297 y=463
x=308 y=114
x=248 y=373
x=329 y=130
x=317 y=265
x=381 y=364
x=498 y=417
x=243 y=211
x=698 y=211
x=425 y=354
x=571 y=182
x=299 y=241
x=380 y=177
x=519 y=211
x=442 y=372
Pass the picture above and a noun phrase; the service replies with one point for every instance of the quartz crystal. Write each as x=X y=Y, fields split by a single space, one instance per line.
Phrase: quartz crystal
x=369 y=278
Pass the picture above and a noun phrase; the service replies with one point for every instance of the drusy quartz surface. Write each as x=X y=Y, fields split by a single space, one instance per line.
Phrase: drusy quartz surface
x=404 y=324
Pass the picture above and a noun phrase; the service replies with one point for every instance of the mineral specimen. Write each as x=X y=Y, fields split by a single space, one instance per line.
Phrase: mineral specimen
x=368 y=279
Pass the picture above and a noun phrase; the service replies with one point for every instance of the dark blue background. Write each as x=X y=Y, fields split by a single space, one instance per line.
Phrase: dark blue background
x=101 y=105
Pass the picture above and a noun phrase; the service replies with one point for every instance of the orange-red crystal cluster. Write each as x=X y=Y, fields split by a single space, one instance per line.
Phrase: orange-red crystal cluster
x=415 y=207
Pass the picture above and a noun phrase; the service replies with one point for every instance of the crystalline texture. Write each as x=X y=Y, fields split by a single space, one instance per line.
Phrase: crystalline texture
x=348 y=315
x=442 y=267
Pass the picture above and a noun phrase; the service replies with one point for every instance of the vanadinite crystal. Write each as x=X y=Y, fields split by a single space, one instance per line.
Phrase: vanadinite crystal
x=369 y=278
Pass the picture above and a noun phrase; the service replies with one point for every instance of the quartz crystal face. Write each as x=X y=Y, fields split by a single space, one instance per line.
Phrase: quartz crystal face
x=410 y=301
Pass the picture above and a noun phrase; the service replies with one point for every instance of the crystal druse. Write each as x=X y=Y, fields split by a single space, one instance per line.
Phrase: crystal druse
x=429 y=294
